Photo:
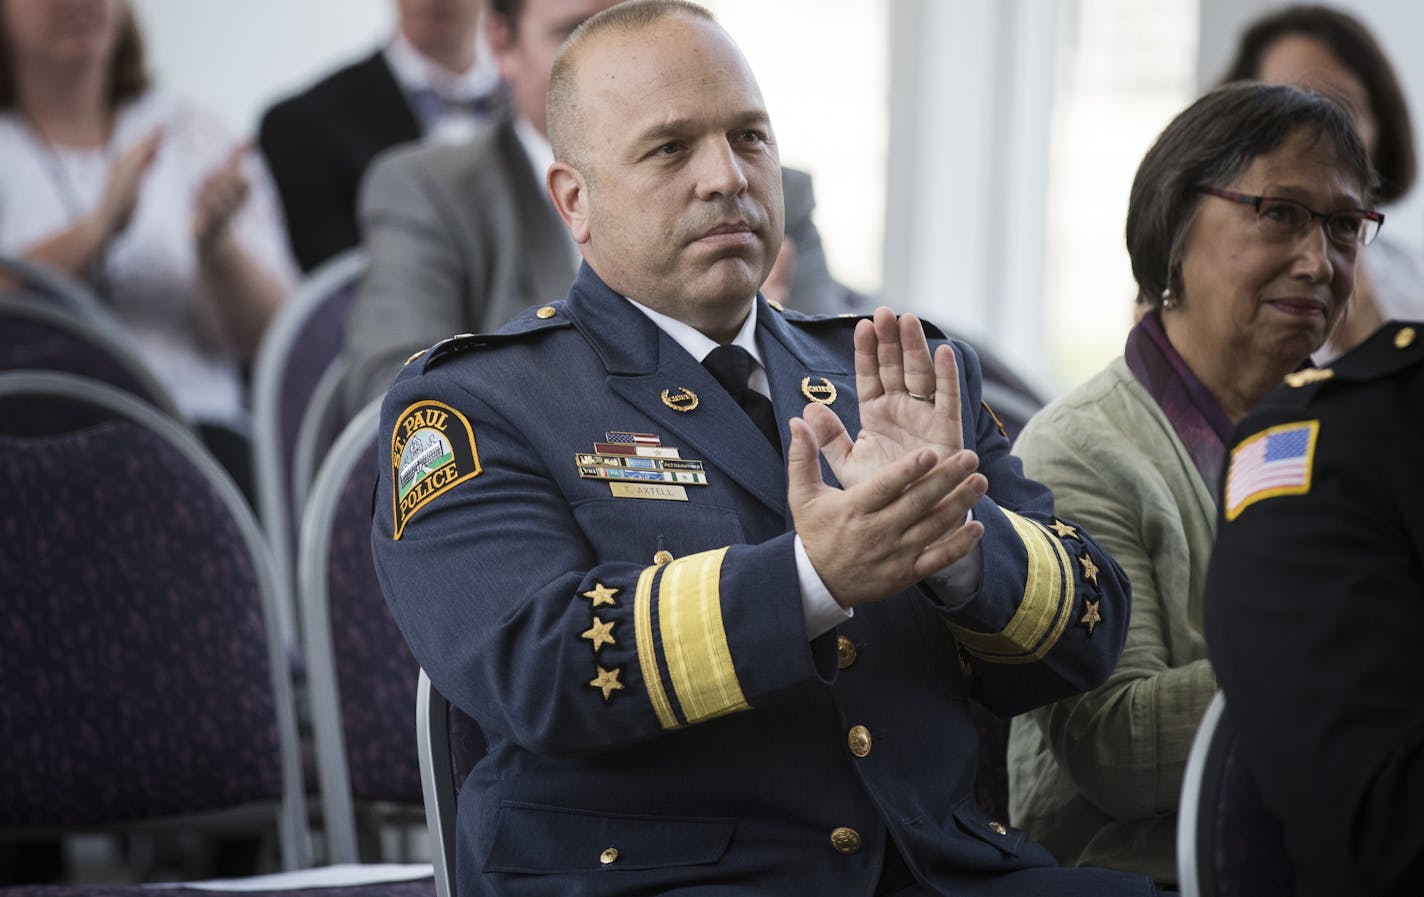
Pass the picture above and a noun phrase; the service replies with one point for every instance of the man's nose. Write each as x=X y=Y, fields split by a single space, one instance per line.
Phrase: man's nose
x=720 y=171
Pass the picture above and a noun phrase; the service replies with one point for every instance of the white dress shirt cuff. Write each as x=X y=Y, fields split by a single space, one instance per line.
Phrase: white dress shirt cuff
x=818 y=608
x=956 y=584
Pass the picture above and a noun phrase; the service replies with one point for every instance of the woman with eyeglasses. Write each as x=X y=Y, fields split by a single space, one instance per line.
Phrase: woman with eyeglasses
x=1243 y=226
x=1329 y=51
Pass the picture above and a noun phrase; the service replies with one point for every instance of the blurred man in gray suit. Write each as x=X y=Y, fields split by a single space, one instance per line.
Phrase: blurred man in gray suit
x=461 y=237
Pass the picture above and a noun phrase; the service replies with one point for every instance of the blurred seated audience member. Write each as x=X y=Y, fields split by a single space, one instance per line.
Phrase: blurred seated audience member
x=1330 y=51
x=1241 y=288
x=144 y=195
x=428 y=82
x=462 y=237
x=1315 y=614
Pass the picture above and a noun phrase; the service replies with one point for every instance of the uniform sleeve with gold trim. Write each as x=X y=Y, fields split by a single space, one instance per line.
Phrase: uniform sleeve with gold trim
x=557 y=624
x=1050 y=616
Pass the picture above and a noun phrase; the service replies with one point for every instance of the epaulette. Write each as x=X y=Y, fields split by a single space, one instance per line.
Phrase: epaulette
x=520 y=327
x=1395 y=346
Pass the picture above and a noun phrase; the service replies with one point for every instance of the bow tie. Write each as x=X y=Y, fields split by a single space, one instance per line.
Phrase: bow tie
x=430 y=106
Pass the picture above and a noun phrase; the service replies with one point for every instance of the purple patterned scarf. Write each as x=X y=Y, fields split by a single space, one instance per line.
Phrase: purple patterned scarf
x=1198 y=420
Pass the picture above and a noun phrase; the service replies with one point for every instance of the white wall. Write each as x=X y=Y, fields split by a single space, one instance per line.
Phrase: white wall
x=240 y=55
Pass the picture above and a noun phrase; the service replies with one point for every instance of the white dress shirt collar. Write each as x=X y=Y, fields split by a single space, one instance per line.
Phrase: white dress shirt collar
x=416 y=71
x=699 y=345
x=537 y=149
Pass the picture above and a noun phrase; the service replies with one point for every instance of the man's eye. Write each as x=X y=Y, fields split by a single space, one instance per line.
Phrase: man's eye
x=750 y=136
x=668 y=149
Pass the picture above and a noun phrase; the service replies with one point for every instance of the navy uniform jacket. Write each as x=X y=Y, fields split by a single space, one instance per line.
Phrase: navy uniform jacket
x=1315 y=614
x=657 y=717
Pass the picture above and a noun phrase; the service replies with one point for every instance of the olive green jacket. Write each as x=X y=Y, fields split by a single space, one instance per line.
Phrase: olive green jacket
x=1096 y=778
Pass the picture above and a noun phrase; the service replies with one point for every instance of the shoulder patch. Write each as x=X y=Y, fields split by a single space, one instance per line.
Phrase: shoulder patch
x=432 y=450
x=1276 y=461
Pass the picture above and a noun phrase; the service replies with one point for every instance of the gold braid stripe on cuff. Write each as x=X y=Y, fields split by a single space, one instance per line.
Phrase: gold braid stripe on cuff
x=647 y=651
x=1043 y=612
x=695 y=640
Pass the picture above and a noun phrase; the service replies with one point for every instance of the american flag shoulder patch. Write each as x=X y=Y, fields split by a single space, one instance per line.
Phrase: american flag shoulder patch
x=1276 y=461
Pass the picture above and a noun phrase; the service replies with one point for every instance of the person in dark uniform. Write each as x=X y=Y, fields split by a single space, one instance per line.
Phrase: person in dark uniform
x=1315 y=613
x=700 y=667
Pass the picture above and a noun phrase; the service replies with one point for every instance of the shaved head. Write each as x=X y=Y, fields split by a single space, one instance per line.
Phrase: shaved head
x=565 y=117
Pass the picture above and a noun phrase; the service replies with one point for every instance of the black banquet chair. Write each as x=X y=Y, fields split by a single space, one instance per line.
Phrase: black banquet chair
x=451 y=743
x=1228 y=843
x=144 y=685
x=297 y=367
x=39 y=336
x=360 y=674
x=26 y=280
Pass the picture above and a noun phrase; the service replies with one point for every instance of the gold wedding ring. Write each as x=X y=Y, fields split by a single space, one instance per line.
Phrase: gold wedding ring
x=927 y=397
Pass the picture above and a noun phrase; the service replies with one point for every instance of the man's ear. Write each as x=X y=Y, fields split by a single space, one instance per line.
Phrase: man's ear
x=569 y=192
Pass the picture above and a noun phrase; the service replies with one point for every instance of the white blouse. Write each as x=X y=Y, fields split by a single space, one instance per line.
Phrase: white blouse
x=149 y=272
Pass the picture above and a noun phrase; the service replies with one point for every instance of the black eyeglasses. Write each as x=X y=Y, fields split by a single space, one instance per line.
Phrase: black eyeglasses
x=1286 y=219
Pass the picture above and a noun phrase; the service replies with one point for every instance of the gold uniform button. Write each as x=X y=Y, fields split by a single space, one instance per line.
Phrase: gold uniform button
x=662 y=557
x=998 y=828
x=1404 y=338
x=846 y=840
x=859 y=741
x=608 y=856
x=845 y=652
x=544 y=314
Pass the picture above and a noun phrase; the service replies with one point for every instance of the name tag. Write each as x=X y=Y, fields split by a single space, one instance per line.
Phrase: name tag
x=648 y=490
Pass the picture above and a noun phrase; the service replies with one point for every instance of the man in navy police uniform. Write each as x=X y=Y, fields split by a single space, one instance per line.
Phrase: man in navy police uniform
x=704 y=663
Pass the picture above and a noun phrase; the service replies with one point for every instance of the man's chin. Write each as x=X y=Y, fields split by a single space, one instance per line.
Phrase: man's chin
x=729 y=280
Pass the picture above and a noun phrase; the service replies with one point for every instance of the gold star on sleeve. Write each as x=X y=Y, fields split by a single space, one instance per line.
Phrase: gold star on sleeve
x=601 y=634
x=1063 y=530
x=602 y=594
x=607 y=682
x=1090 y=569
x=1091 y=617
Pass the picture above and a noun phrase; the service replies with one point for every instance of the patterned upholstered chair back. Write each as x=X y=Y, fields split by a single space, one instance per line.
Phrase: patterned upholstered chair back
x=360 y=672
x=35 y=336
x=1228 y=843
x=26 y=280
x=139 y=664
x=297 y=351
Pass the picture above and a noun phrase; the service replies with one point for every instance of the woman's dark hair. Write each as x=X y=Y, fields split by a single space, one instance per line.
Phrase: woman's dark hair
x=128 y=73
x=1357 y=49
x=1211 y=143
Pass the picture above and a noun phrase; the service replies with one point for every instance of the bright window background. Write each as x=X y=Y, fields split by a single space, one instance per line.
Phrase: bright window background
x=823 y=74
x=1127 y=68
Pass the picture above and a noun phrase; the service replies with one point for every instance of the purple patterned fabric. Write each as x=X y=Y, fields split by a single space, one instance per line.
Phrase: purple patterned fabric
x=375 y=670
x=132 y=649
x=27 y=416
x=1195 y=415
x=315 y=347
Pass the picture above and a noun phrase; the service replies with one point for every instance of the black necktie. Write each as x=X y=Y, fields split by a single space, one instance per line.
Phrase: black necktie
x=732 y=366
